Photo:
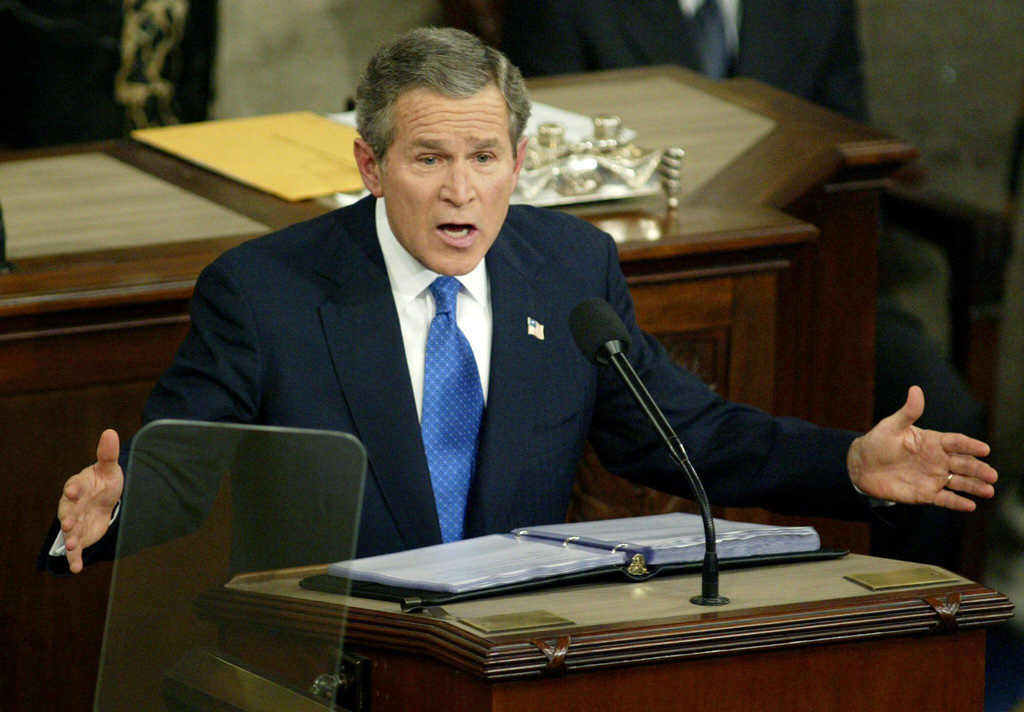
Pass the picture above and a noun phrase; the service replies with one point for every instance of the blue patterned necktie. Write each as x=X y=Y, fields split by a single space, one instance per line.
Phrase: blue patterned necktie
x=712 y=45
x=453 y=404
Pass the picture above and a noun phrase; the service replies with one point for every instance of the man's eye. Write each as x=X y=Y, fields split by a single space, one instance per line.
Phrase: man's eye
x=429 y=160
x=484 y=158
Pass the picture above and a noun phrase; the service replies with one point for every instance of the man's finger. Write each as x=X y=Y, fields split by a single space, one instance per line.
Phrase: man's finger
x=971 y=486
x=65 y=507
x=950 y=500
x=72 y=489
x=107 y=452
x=955 y=442
x=971 y=467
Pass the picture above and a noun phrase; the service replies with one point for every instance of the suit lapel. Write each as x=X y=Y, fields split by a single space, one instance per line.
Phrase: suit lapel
x=644 y=24
x=365 y=342
x=515 y=376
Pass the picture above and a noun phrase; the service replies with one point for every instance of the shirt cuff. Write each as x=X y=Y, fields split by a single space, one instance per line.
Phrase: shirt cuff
x=873 y=501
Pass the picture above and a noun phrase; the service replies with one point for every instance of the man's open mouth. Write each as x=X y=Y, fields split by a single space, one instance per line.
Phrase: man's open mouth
x=457 y=234
x=456 y=229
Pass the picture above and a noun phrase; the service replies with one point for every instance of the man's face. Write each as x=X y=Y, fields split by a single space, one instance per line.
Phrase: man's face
x=447 y=176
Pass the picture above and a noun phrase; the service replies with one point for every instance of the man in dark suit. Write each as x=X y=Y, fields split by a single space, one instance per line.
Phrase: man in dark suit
x=805 y=47
x=430 y=320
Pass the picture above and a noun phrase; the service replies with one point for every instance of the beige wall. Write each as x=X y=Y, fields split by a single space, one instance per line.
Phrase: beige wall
x=276 y=55
x=949 y=76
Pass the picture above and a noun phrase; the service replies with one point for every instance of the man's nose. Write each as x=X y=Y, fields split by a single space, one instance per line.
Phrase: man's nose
x=457 y=186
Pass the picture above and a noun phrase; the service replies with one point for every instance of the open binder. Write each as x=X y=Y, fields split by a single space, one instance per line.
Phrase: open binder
x=623 y=550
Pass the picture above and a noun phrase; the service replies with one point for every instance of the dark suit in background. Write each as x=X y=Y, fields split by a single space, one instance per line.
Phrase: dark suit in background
x=809 y=48
x=299 y=329
x=805 y=47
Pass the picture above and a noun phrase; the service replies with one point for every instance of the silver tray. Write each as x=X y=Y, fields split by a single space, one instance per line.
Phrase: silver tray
x=550 y=198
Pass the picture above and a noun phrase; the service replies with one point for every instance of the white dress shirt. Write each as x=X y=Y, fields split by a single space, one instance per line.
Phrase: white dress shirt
x=410 y=286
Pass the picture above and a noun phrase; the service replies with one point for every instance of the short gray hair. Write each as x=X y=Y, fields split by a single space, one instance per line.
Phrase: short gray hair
x=445 y=61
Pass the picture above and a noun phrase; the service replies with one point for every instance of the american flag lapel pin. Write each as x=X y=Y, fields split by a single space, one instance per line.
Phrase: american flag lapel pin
x=534 y=328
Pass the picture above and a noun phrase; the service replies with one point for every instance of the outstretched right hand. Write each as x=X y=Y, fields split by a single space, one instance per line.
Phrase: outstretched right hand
x=89 y=499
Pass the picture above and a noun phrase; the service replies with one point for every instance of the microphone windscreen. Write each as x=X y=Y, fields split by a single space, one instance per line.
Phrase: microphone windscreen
x=593 y=324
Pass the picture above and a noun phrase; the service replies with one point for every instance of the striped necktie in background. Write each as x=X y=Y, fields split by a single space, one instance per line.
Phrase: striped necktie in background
x=712 y=44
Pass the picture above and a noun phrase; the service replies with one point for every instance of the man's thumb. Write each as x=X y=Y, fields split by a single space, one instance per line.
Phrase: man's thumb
x=107 y=452
x=912 y=409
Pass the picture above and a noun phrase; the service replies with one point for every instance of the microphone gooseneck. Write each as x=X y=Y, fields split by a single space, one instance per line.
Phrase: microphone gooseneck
x=603 y=339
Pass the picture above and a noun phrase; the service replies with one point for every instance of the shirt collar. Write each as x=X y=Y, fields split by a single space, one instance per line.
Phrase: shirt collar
x=730 y=12
x=409 y=278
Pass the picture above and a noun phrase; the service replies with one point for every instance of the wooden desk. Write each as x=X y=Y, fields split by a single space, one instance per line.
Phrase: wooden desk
x=796 y=637
x=763 y=282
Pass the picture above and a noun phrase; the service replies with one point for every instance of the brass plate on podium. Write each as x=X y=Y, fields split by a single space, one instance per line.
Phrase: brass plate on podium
x=902 y=578
x=523 y=620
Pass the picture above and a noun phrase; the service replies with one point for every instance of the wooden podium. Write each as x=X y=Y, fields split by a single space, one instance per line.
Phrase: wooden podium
x=763 y=282
x=795 y=637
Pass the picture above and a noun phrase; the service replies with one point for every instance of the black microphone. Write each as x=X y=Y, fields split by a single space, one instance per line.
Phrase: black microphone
x=602 y=337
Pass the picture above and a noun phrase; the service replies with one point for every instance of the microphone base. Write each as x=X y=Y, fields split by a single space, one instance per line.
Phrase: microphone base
x=709 y=600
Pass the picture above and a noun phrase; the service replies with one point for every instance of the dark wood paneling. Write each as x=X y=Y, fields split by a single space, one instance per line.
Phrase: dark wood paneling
x=902 y=677
x=829 y=299
x=52 y=627
x=877 y=651
x=70 y=357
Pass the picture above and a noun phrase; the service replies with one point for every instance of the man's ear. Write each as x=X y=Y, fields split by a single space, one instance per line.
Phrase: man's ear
x=520 y=157
x=369 y=167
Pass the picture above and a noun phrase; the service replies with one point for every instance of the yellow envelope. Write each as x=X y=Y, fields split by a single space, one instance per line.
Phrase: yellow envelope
x=294 y=156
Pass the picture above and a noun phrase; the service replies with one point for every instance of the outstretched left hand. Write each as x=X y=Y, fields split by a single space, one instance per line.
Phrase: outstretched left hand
x=899 y=462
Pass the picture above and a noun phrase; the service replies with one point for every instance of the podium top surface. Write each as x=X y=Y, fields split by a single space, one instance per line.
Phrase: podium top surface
x=786 y=605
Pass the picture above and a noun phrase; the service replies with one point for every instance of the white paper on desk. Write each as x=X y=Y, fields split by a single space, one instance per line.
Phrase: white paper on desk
x=474 y=564
x=678 y=537
x=533 y=553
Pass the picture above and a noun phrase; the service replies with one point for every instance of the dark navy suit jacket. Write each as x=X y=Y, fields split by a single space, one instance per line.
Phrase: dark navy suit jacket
x=809 y=48
x=299 y=328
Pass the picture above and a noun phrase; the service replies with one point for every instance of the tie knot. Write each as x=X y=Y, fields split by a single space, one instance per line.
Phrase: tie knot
x=446 y=291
